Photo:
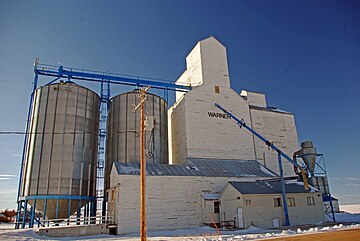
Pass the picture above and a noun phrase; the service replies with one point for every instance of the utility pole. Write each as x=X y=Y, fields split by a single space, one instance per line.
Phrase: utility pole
x=142 y=164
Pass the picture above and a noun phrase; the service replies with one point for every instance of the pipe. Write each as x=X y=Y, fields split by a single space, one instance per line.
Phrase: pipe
x=286 y=212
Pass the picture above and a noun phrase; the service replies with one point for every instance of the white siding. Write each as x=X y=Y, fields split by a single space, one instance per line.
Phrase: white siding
x=211 y=137
x=280 y=129
x=253 y=98
x=173 y=202
x=214 y=67
x=194 y=67
x=259 y=211
x=195 y=134
x=230 y=200
x=208 y=213
x=178 y=150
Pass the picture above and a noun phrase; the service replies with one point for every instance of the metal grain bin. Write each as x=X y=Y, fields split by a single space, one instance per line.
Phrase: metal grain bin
x=61 y=153
x=123 y=136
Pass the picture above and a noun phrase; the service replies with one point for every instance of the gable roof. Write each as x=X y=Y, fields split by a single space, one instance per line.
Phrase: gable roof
x=270 y=187
x=199 y=167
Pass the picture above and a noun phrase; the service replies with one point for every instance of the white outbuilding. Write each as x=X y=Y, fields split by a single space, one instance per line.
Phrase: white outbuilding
x=260 y=204
x=178 y=196
x=205 y=192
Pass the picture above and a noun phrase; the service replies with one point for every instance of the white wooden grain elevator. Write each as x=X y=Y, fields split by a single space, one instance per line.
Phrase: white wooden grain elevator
x=211 y=159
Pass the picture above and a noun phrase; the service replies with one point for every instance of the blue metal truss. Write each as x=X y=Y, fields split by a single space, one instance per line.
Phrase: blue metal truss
x=95 y=76
x=320 y=172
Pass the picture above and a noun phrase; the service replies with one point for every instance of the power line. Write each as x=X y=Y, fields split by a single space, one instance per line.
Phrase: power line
x=64 y=133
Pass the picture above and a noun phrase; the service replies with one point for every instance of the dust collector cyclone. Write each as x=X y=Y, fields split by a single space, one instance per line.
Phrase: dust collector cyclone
x=123 y=137
x=59 y=174
x=308 y=154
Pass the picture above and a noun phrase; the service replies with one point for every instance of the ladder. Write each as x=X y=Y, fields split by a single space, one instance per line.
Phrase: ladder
x=104 y=107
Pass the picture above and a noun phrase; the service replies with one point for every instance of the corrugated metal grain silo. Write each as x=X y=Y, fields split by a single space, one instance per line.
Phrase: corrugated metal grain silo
x=60 y=164
x=123 y=137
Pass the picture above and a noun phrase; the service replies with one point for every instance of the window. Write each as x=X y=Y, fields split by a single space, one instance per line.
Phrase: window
x=291 y=202
x=310 y=201
x=277 y=202
x=217 y=89
x=216 y=207
x=247 y=202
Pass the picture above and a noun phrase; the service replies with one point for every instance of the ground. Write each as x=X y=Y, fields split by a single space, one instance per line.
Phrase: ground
x=347 y=228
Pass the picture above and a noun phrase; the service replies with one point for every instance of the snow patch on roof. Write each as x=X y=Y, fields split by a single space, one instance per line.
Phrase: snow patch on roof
x=312 y=189
x=266 y=171
x=268 y=184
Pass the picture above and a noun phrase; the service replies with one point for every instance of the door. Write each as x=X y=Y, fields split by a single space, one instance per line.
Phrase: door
x=240 y=218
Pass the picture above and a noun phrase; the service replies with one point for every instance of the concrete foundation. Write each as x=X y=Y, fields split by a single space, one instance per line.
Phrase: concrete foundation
x=74 y=231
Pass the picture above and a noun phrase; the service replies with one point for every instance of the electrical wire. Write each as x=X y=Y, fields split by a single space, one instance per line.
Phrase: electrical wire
x=63 y=133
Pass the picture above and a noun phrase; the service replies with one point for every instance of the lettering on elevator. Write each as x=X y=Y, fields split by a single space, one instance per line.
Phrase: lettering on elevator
x=218 y=115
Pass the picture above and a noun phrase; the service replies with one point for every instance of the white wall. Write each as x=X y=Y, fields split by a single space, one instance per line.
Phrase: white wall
x=173 y=202
x=253 y=98
x=230 y=200
x=207 y=212
x=280 y=129
x=177 y=134
x=196 y=134
x=261 y=211
x=213 y=137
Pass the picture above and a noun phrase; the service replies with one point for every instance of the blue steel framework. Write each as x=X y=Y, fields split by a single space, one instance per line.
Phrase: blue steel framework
x=242 y=123
x=25 y=212
x=320 y=171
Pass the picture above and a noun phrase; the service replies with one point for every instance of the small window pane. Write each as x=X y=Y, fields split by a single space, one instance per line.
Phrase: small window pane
x=216 y=207
x=291 y=201
x=277 y=202
x=310 y=201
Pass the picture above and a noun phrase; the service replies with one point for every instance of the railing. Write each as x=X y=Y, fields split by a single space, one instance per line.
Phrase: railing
x=72 y=221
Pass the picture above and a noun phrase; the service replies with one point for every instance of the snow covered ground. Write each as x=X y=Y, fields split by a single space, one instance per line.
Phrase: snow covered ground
x=196 y=234
x=349 y=218
x=354 y=208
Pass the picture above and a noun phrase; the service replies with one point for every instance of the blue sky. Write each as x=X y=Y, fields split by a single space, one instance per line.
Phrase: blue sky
x=305 y=55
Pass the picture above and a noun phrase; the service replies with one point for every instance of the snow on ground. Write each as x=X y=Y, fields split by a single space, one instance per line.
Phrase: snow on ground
x=349 y=214
x=196 y=234
x=345 y=220
x=345 y=217
x=353 y=208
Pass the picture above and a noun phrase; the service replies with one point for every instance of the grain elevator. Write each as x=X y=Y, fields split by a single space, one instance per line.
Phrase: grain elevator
x=209 y=155
x=83 y=147
x=197 y=129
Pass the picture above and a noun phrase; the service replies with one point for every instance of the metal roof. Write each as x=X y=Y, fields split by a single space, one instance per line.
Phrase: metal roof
x=327 y=198
x=200 y=167
x=270 y=187
x=210 y=196
x=269 y=108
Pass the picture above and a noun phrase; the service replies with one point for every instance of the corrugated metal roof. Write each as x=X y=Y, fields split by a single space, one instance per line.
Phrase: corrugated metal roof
x=210 y=196
x=270 y=187
x=200 y=167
